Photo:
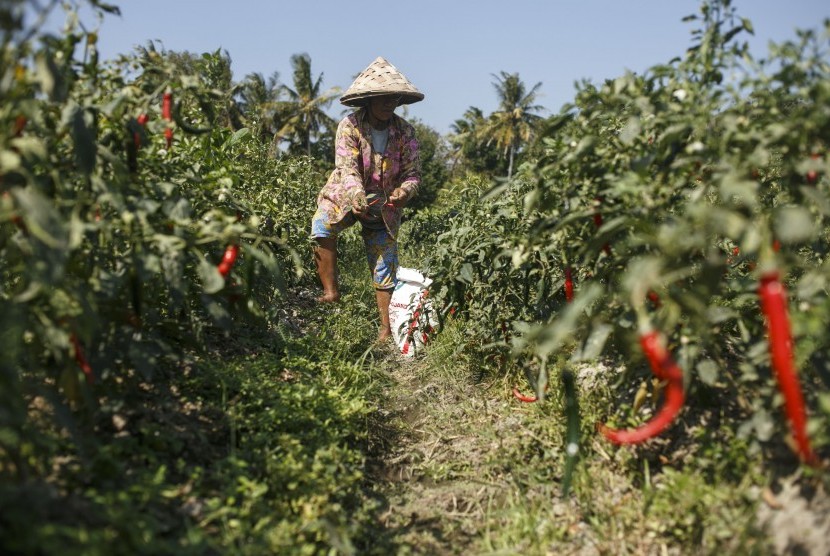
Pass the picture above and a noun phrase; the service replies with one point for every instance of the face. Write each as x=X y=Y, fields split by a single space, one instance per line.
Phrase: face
x=383 y=107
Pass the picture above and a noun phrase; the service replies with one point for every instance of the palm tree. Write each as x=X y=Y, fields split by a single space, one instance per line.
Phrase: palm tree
x=259 y=100
x=466 y=139
x=464 y=129
x=302 y=116
x=515 y=122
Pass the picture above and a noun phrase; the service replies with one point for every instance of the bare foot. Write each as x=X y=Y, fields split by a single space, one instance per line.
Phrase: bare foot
x=329 y=297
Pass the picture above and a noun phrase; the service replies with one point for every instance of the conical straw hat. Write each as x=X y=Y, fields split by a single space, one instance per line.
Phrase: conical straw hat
x=381 y=78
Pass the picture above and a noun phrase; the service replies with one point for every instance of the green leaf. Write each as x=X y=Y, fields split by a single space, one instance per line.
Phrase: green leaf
x=496 y=191
x=794 y=225
x=631 y=130
x=819 y=199
x=595 y=342
x=811 y=284
x=212 y=281
x=42 y=218
x=643 y=274
x=217 y=311
x=734 y=189
x=29 y=146
x=180 y=210
x=49 y=76
x=466 y=273
x=268 y=261
x=77 y=227
x=239 y=136
x=108 y=8
x=717 y=314
x=585 y=146
x=9 y=161
x=707 y=370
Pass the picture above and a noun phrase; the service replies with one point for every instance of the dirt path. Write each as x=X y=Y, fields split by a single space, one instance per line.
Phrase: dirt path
x=444 y=461
x=425 y=473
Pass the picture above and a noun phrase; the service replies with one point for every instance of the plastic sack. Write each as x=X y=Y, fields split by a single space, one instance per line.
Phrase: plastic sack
x=410 y=311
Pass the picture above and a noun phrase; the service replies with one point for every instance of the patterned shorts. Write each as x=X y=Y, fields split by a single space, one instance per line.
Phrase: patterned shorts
x=381 y=248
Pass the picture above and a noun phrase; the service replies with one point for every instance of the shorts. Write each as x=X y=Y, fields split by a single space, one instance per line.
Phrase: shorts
x=381 y=248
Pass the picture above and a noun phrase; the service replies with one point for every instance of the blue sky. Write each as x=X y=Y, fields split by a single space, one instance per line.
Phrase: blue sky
x=449 y=49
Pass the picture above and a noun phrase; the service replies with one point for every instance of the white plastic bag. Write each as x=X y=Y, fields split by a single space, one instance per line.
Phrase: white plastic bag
x=410 y=311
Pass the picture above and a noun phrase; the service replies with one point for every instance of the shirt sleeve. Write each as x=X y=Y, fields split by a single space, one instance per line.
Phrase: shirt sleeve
x=347 y=155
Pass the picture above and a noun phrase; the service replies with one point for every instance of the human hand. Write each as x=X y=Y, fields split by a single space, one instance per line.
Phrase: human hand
x=359 y=205
x=399 y=197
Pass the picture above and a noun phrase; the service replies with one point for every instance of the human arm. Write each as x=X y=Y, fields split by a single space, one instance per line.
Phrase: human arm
x=348 y=166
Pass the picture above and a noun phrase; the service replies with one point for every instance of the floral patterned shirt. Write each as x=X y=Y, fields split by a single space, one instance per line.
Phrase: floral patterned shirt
x=357 y=167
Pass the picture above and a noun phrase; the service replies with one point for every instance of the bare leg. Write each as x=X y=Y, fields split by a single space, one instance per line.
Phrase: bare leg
x=325 y=254
x=383 y=298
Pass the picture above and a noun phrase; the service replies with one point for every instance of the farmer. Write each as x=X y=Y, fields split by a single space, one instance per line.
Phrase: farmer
x=376 y=173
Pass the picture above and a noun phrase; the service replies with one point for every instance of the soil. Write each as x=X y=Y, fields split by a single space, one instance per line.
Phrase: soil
x=425 y=514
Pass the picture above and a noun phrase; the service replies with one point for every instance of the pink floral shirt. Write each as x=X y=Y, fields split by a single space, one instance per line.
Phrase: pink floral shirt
x=358 y=167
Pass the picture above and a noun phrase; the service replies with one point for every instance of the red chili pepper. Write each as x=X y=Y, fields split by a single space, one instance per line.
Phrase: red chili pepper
x=81 y=360
x=522 y=398
x=569 y=285
x=142 y=121
x=812 y=175
x=228 y=260
x=654 y=298
x=19 y=124
x=773 y=297
x=527 y=399
x=167 y=114
x=167 y=106
x=663 y=367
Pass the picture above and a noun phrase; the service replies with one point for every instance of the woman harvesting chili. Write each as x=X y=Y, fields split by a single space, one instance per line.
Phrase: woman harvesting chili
x=376 y=173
